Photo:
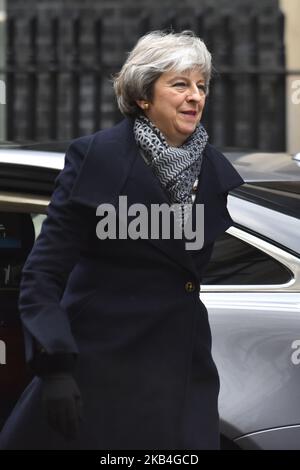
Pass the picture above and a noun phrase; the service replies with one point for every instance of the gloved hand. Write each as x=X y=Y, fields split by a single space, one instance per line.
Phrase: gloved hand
x=62 y=404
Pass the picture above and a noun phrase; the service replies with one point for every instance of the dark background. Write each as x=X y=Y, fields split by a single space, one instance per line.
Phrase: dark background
x=61 y=56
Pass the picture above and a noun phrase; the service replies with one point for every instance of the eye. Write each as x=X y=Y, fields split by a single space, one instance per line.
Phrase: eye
x=179 y=84
x=202 y=88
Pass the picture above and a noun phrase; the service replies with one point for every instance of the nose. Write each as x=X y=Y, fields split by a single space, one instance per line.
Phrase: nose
x=194 y=94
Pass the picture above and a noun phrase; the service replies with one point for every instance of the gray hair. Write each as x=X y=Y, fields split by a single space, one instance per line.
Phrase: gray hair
x=155 y=53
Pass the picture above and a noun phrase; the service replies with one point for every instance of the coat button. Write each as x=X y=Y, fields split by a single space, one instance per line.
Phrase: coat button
x=190 y=286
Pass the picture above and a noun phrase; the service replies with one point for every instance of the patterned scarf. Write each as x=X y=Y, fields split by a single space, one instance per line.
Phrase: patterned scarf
x=177 y=168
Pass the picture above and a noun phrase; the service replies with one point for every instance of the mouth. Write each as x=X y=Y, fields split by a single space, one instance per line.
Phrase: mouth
x=190 y=113
x=191 y=116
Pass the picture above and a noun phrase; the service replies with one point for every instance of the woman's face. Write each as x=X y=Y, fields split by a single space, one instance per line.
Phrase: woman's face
x=177 y=104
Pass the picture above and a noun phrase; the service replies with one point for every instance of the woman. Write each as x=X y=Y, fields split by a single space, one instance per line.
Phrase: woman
x=115 y=321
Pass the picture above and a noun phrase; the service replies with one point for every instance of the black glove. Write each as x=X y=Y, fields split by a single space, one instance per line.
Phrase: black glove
x=62 y=404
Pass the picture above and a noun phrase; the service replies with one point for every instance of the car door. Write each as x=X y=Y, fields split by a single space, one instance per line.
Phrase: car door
x=251 y=290
x=20 y=221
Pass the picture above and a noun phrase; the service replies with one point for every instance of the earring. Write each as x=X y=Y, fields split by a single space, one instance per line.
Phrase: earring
x=146 y=106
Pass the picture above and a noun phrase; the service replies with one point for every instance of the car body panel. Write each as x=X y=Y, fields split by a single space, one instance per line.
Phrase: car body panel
x=253 y=336
x=284 y=438
x=281 y=228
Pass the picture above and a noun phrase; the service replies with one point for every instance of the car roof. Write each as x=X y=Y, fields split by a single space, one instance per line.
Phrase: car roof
x=265 y=166
x=36 y=158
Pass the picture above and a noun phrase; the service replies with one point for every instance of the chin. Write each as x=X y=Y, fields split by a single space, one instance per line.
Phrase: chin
x=187 y=131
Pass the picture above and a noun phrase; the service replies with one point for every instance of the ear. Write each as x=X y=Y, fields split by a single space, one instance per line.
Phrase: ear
x=141 y=104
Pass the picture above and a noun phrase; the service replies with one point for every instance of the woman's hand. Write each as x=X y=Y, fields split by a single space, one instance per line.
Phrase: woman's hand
x=62 y=404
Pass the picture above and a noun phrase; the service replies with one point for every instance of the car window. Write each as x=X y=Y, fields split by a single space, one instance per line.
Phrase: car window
x=17 y=236
x=235 y=262
x=18 y=231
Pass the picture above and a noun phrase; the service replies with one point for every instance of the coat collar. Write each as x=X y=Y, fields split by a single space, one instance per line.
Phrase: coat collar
x=106 y=166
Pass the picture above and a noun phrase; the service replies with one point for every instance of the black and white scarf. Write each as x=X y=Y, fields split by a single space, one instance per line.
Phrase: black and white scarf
x=177 y=168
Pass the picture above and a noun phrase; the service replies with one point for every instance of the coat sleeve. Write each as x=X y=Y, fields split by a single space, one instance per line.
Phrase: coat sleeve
x=50 y=262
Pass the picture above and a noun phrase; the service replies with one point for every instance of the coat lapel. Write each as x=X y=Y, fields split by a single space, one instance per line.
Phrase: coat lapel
x=143 y=187
x=112 y=167
x=217 y=178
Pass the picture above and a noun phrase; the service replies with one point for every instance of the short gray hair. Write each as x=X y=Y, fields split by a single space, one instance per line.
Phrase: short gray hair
x=155 y=53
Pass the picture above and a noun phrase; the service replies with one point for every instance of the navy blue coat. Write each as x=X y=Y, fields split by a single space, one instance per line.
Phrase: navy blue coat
x=144 y=368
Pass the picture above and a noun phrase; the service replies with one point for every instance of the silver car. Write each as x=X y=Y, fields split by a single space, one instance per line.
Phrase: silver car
x=251 y=289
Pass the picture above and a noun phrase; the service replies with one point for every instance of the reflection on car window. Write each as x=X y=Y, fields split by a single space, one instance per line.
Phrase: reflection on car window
x=235 y=262
x=38 y=220
x=17 y=236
